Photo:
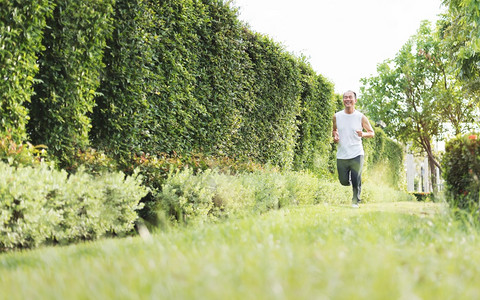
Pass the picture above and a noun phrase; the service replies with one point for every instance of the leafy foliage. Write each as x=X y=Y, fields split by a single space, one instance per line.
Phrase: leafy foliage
x=156 y=169
x=459 y=29
x=415 y=94
x=92 y=161
x=74 y=40
x=180 y=76
x=402 y=95
x=120 y=119
x=461 y=164
x=40 y=205
x=189 y=197
x=314 y=122
x=21 y=32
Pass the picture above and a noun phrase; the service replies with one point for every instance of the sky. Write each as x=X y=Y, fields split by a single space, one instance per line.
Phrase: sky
x=344 y=40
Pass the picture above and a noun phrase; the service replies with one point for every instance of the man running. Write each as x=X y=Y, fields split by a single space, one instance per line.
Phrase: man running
x=348 y=131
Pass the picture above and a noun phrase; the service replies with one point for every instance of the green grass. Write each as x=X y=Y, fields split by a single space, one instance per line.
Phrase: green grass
x=390 y=250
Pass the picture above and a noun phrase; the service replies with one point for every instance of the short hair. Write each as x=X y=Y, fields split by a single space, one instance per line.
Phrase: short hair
x=350 y=91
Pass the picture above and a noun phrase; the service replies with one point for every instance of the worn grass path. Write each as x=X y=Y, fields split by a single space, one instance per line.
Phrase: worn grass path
x=392 y=250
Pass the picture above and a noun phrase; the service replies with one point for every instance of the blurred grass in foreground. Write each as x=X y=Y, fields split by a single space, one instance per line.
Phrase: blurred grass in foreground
x=396 y=250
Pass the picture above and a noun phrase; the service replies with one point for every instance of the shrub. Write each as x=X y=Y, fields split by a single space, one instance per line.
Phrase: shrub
x=303 y=188
x=107 y=206
x=209 y=195
x=156 y=169
x=41 y=205
x=461 y=171
x=186 y=196
x=25 y=193
x=268 y=189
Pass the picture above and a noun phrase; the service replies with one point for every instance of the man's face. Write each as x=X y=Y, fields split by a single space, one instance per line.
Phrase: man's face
x=349 y=99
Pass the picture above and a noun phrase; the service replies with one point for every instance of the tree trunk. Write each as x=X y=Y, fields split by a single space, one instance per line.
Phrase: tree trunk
x=433 y=164
x=433 y=174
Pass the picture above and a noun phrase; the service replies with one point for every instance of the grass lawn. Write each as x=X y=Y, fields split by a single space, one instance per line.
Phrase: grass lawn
x=391 y=250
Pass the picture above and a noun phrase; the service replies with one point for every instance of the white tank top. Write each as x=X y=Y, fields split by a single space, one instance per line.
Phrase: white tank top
x=349 y=144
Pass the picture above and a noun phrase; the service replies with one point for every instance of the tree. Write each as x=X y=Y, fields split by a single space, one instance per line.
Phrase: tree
x=460 y=32
x=415 y=94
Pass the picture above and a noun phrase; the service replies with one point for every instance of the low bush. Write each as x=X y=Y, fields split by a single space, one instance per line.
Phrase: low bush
x=187 y=196
x=41 y=205
x=209 y=195
x=155 y=169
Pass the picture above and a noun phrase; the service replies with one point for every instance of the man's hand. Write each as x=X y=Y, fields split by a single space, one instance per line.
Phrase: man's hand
x=360 y=133
x=336 y=138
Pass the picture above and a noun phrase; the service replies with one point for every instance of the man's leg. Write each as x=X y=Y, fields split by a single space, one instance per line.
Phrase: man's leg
x=356 y=169
x=343 y=170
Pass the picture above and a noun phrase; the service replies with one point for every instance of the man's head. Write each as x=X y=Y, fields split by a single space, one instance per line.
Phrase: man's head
x=349 y=99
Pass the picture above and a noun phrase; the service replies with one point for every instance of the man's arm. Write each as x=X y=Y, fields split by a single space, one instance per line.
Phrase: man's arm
x=368 y=127
x=335 y=131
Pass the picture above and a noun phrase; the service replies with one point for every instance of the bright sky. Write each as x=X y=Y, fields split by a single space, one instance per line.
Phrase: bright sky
x=344 y=40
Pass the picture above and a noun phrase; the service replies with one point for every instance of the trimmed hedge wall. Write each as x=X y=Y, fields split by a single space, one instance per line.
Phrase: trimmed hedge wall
x=199 y=81
x=180 y=76
x=314 y=122
x=70 y=65
x=21 y=32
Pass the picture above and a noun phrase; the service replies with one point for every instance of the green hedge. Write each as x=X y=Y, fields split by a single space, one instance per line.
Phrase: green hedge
x=70 y=65
x=179 y=76
x=40 y=205
x=187 y=76
x=387 y=153
x=120 y=119
x=312 y=151
x=173 y=79
x=21 y=32
x=461 y=171
x=270 y=125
